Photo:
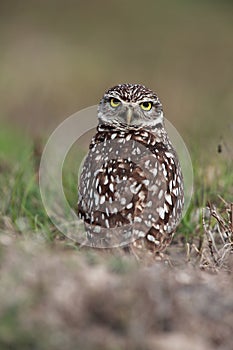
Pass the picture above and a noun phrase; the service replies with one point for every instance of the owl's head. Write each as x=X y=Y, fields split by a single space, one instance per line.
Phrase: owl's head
x=130 y=106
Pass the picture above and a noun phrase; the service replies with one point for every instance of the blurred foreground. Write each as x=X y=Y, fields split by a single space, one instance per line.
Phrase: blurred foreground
x=54 y=299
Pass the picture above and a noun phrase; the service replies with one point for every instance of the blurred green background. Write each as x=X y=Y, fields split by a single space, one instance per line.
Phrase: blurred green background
x=58 y=57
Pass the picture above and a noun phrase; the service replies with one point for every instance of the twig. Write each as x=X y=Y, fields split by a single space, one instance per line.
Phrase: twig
x=231 y=217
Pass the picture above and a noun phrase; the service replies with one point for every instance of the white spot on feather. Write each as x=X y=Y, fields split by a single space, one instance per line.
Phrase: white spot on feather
x=168 y=198
x=97 y=229
x=146 y=182
x=102 y=199
x=169 y=155
x=137 y=219
x=150 y=238
x=175 y=191
x=154 y=171
x=160 y=195
x=123 y=201
x=161 y=212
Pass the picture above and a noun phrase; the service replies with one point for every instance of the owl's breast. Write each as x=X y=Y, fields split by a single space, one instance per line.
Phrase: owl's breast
x=124 y=186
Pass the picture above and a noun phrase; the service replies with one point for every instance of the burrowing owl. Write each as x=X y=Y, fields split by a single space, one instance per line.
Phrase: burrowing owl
x=131 y=185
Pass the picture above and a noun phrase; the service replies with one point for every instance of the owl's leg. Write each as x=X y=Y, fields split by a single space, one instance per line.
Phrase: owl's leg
x=158 y=242
x=151 y=247
x=142 y=254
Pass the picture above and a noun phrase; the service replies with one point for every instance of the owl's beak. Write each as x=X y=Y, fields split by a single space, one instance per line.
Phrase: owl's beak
x=129 y=115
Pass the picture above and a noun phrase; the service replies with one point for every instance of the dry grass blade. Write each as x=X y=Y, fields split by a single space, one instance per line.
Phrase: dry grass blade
x=231 y=217
x=218 y=239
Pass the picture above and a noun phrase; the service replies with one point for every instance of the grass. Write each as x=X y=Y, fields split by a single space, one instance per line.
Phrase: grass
x=21 y=204
x=21 y=207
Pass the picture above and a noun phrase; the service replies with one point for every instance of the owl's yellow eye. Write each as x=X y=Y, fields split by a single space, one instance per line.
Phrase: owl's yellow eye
x=114 y=102
x=146 y=106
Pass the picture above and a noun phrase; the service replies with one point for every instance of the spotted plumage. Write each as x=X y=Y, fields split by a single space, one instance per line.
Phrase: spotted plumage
x=131 y=185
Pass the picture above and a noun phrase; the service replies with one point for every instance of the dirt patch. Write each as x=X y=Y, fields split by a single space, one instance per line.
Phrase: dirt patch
x=56 y=299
